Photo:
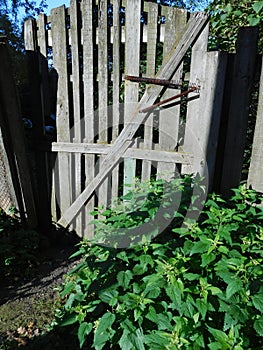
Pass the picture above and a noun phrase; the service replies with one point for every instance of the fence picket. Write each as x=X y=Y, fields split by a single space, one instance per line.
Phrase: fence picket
x=88 y=91
x=74 y=13
x=103 y=86
x=116 y=81
x=193 y=130
x=169 y=118
x=150 y=72
x=60 y=52
x=132 y=67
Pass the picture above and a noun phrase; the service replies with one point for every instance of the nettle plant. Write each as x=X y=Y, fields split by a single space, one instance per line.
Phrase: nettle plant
x=196 y=285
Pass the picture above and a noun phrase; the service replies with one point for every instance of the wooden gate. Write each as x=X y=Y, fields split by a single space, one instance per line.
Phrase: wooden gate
x=99 y=113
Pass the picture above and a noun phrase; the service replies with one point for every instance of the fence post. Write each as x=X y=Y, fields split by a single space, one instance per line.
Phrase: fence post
x=242 y=80
x=11 y=121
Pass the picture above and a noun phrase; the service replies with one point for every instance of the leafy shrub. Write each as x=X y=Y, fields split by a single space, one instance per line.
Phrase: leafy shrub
x=195 y=286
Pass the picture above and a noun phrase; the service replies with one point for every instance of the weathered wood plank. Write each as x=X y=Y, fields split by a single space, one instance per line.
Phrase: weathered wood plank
x=150 y=72
x=140 y=153
x=103 y=85
x=122 y=143
x=116 y=80
x=255 y=176
x=88 y=87
x=211 y=100
x=132 y=67
x=239 y=107
x=193 y=130
x=169 y=118
x=59 y=41
x=76 y=89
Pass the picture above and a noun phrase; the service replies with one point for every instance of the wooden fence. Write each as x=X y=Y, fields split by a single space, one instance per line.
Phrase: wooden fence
x=99 y=122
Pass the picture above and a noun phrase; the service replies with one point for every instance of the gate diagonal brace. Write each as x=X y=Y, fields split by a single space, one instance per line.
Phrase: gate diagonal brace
x=166 y=83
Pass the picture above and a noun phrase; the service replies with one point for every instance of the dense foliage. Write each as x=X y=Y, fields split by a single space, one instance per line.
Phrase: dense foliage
x=227 y=16
x=195 y=286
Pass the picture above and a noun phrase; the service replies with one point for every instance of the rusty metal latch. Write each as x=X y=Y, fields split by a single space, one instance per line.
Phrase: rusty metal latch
x=163 y=82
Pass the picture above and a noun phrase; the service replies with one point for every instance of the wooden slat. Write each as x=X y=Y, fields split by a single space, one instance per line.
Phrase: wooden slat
x=76 y=88
x=193 y=130
x=40 y=108
x=103 y=85
x=59 y=41
x=116 y=80
x=255 y=176
x=150 y=72
x=88 y=86
x=174 y=59
x=243 y=74
x=169 y=118
x=132 y=67
x=144 y=154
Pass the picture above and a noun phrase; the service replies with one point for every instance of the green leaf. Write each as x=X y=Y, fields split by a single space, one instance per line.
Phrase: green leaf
x=109 y=297
x=70 y=301
x=219 y=336
x=191 y=276
x=257 y=301
x=69 y=320
x=233 y=287
x=68 y=288
x=229 y=321
x=106 y=321
x=157 y=340
x=257 y=6
x=152 y=291
x=124 y=278
x=207 y=259
x=164 y=323
x=137 y=340
x=253 y=21
x=201 y=246
x=104 y=331
x=201 y=307
x=84 y=329
x=214 y=290
x=124 y=342
x=215 y=346
x=258 y=326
